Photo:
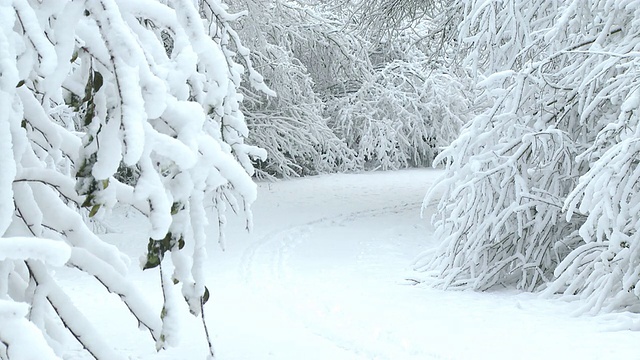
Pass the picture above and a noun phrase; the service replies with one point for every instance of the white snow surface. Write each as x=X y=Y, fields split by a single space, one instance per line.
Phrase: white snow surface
x=53 y=252
x=323 y=276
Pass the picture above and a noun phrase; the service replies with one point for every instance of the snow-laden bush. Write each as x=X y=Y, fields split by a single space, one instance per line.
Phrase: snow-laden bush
x=603 y=69
x=500 y=215
x=382 y=18
x=327 y=44
x=341 y=100
x=407 y=103
x=545 y=180
x=509 y=172
x=89 y=89
x=402 y=115
x=289 y=126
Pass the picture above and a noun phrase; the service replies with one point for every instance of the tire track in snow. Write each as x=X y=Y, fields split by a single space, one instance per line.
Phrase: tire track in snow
x=275 y=248
x=288 y=235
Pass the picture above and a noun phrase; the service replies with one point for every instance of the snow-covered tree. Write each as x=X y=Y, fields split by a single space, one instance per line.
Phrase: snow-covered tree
x=343 y=97
x=326 y=42
x=90 y=90
x=403 y=115
x=561 y=82
x=603 y=72
x=410 y=103
x=290 y=124
x=380 y=18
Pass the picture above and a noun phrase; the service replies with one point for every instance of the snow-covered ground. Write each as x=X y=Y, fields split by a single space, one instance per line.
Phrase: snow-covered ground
x=322 y=277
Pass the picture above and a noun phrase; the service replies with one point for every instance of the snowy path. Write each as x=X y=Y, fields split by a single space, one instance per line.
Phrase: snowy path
x=322 y=277
x=336 y=239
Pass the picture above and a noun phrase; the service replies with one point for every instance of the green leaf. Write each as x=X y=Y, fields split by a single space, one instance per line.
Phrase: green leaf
x=97 y=81
x=91 y=110
x=205 y=296
x=94 y=210
x=152 y=261
x=20 y=83
x=75 y=101
x=88 y=201
x=156 y=250
x=176 y=207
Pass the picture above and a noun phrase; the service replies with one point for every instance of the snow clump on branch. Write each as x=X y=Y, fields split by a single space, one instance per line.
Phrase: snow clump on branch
x=90 y=91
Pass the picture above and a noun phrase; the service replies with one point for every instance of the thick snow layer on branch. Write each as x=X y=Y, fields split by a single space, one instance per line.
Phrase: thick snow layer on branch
x=150 y=187
x=57 y=181
x=74 y=320
x=171 y=320
x=69 y=222
x=209 y=53
x=8 y=81
x=28 y=209
x=162 y=15
x=109 y=153
x=93 y=91
x=544 y=183
x=171 y=148
x=64 y=39
x=55 y=135
x=126 y=57
x=228 y=168
x=187 y=119
x=47 y=57
x=7 y=164
x=49 y=251
x=118 y=284
x=23 y=339
x=12 y=310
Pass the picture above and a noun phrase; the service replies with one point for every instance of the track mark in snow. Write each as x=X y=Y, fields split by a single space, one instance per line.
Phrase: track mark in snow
x=288 y=237
x=265 y=264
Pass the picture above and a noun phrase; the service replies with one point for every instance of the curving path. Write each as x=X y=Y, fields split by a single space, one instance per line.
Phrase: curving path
x=322 y=277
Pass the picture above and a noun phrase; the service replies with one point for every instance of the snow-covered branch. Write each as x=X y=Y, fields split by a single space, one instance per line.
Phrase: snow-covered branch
x=93 y=90
x=542 y=187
